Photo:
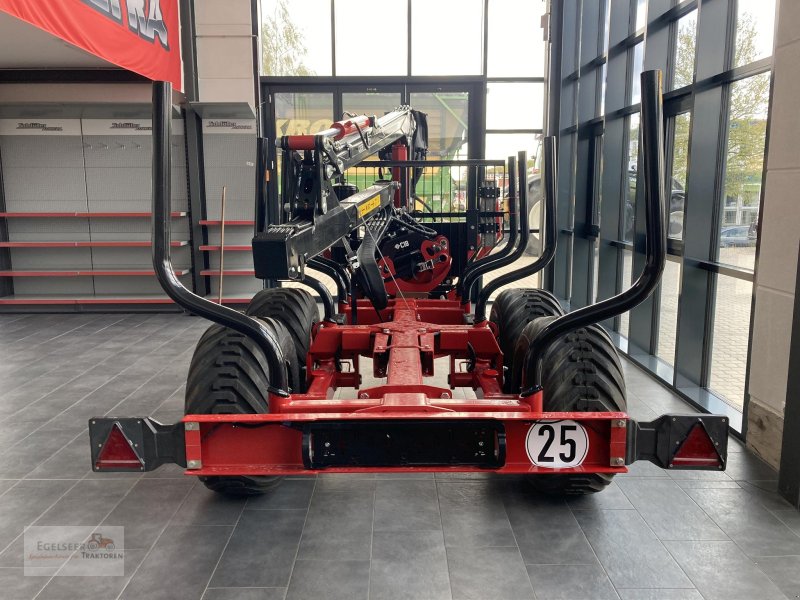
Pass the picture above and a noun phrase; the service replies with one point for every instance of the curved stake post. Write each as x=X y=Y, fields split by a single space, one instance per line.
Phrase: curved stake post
x=656 y=244
x=513 y=250
x=549 y=247
x=162 y=261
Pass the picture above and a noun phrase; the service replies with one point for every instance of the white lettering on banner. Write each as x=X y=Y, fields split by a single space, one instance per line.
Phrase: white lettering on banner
x=144 y=17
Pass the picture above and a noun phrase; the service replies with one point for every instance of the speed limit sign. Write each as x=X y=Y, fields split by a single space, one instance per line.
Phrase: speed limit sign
x=557 y=444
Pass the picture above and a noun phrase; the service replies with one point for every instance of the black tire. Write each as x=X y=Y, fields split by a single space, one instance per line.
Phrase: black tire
x=512 y=310
x=296 y=309
x=581 y=373
x=229 y=374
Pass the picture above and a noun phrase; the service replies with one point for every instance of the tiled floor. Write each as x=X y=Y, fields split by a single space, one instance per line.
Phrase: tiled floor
x=651 y=535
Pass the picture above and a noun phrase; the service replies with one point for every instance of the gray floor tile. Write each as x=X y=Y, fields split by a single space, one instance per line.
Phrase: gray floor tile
x=756 y=530
x=611 y=498
x=546 y=530
x=329 y=579
x=25 y=502
x=339 y=526
x=347 y=482
x=784 y=571
x=147 y=509
x=204 y=507
x=747 y=466
x=67 y=587
x=766 y=493
x=15 y=585
x=245 y=594
x=7 y=484
x=790 y=518
x=497 y=573
x=631 y=554
x=643 y=468
x=179 y=565
x=670 y=513
x=700 y=484
x=626 y=594
x=87 y=503
x=571 y=582
x=408 y=566
x=261 y=550
x=288 y=494
x=720 y=571
x=406 y=504
x=473 y=514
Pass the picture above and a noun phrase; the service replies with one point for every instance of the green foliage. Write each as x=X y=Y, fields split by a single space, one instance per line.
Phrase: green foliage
x=747 y=121
x=747 y=117
x=282 y=44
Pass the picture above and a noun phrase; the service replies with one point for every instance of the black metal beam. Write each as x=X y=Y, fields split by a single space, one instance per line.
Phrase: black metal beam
x=70 y=76
x=789 y=474
x=6 y=283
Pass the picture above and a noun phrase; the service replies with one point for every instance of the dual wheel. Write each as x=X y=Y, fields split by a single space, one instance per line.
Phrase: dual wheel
x=581 y=371
x=229 y=373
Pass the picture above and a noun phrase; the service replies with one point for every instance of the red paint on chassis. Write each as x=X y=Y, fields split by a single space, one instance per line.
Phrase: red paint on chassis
x=403 y=342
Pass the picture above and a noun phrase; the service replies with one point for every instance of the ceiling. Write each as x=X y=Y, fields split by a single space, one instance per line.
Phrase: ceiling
x=23 y=46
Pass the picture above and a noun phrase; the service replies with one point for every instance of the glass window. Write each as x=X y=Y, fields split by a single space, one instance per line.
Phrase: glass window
x=685 y=45
x=371 y=103
x=668 y=317
x=606 y=26
x=641 y=14
x=509 y=22
x=627 y=273
x=755 y=25
x=729 y=344
x=636 y=73
x=514 y=105
x=351 y=56
x=447 y=122
x=602 y=73
x=446 y=37
x=744 y=166
x=677 y=184
x=302 y=113
x=292 y=43
x=629 y=186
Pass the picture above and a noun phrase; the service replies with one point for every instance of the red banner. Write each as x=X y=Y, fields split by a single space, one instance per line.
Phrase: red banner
x=139 y=35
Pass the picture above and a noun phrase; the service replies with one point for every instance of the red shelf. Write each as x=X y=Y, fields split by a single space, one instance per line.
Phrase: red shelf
x=84 y=244
x=86 y=273
x=232 y=272
x=236 y=223
x=82 y=215
x=77 y=299
x=215 y=248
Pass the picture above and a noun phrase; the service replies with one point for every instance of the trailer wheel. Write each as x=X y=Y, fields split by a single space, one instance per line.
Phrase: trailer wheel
x=512 y=310
x=297 y=310
x=229 y=374
x=581 y=373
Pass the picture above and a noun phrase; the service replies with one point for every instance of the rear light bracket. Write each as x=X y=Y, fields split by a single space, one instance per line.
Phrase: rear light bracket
x=153 y=443
x=661 y=440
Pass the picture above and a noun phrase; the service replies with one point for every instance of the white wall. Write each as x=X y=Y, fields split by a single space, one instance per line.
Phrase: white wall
x=224 y=50
x=780 y=236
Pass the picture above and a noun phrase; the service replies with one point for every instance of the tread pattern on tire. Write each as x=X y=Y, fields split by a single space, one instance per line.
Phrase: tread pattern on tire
x=229 y=374
x=581 y=373
x=297 y=310
x=511 y=311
